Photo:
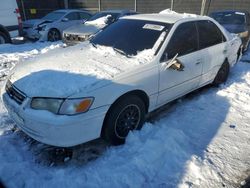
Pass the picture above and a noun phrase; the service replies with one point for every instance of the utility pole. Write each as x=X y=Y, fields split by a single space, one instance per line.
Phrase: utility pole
x=172 y=4
x=135 y=5
x=203 y=6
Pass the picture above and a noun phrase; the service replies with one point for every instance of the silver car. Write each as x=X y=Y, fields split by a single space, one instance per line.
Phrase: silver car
x=81 y=32
x=51 y=26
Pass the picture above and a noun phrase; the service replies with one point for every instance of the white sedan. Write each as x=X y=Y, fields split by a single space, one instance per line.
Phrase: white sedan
x=105 y=87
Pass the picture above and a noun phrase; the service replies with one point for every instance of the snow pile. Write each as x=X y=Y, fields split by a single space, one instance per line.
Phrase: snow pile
x=99 y=21
x=11 y=54
x=199 y=141
x=184 y=15
x=78 y=68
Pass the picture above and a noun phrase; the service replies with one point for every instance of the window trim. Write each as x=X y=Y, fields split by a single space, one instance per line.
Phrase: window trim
x=224 y=39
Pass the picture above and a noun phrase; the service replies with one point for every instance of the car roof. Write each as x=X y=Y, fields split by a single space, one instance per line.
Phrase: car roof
x=70 y=10
x=166 y=18
x=118 y=11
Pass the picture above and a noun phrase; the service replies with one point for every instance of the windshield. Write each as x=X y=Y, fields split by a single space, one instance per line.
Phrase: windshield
x=53 y=16
x=103 y=14
x=229 y=18
x=132 y=36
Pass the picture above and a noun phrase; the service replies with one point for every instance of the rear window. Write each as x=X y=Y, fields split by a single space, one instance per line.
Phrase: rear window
x=131 y=36
x=229 y=18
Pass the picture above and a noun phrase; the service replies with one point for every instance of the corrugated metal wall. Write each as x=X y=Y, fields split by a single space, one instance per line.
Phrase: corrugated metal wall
x=143 y=6
x=41 y=7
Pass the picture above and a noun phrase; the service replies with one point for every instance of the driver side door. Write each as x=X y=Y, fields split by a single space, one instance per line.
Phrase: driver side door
x=175 y=83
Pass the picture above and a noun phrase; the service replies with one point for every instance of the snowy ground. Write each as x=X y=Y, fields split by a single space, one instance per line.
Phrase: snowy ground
x=202 y=140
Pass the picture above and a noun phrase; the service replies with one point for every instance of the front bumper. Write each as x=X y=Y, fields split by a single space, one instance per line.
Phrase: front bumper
x=245 y=42
x=34 y=34
x=56 y=130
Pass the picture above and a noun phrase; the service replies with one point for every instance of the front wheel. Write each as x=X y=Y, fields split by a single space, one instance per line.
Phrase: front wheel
x=4 y=38
x=54 y=35
x=222 y=74
x=126 y=115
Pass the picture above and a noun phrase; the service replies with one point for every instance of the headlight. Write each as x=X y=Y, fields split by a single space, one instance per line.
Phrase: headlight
x=62 y=106
x=41 y=27
x=243 y=34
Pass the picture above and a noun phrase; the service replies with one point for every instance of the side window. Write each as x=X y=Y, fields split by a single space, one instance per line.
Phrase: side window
x=209 y=34
x=84 y=16
x=72 y=16
x=183 y=41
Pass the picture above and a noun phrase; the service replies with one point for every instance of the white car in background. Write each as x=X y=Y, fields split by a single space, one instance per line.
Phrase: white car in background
x=105 y=87
x=10 y=21
x=51 y=26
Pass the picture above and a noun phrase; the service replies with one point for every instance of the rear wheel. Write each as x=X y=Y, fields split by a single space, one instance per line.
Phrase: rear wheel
x=222 y=74
x=4 y=38
x=126 y=115
x=54 y=35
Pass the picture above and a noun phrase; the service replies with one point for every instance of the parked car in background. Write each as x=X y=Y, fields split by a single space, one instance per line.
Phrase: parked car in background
x=81 y=32
x=237 y=22
x=106 y=86
x=51 y=26
x=10 y=21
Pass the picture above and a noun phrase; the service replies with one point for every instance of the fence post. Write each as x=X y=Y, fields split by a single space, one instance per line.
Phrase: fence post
x=99 y=5
x=203 y=5
x=66 y=4
x=172 y=4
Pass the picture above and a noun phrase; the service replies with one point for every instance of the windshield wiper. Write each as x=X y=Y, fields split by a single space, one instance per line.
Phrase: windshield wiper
x=120 y=52
x=93 y=44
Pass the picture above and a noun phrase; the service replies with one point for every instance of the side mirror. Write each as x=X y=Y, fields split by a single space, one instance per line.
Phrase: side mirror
x=65 y=19
x=110 y=20
x=177 y=65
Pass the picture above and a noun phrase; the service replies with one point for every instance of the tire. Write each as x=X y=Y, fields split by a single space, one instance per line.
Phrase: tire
x=54 y=35
x=4 y=38
x=222 y=74
x=125 y=115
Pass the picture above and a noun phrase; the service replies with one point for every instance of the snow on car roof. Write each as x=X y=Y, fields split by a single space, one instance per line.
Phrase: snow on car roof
x=166 y=16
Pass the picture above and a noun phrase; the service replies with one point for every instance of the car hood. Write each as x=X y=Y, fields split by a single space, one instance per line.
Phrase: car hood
x=34 y=22
x=233 y=28
x=68 y=71
x=83 y=29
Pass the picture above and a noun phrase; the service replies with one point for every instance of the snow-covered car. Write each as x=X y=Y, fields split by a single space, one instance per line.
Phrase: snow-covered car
x=235 y=21
x=106 y=86
x=81 y=32
x=51 y=26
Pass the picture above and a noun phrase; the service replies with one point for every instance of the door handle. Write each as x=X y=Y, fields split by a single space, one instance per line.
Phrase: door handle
x=198 y=61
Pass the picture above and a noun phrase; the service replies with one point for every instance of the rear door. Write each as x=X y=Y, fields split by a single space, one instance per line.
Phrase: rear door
x=212 y=42
x=173 y=83
x=8 y=15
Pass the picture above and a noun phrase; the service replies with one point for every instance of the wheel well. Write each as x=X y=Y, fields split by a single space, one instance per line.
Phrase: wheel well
x=139 y=93
x=56 y=30
x=5 y=31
